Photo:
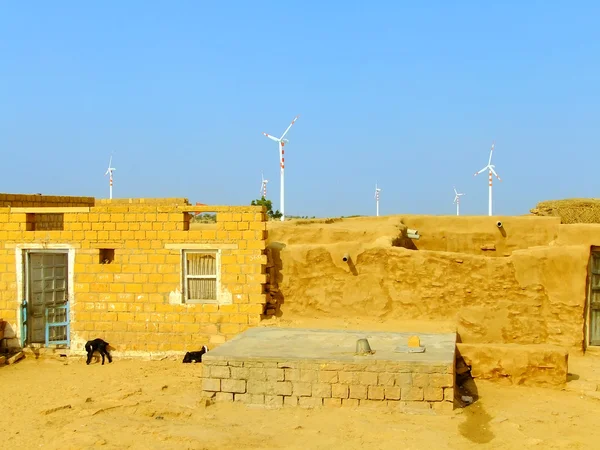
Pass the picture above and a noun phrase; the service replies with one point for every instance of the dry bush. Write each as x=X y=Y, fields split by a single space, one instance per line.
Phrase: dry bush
x=574 y=210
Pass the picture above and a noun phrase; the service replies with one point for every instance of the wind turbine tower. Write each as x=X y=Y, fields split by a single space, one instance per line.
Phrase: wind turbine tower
x=377 y=191
x=457 y=201
x=263 y=186
x=490 y=168
x=281 y=141
x=109 y=172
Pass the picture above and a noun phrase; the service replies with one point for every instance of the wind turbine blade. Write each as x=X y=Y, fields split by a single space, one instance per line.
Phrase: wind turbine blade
x=288 y=128
x=455 y=191
x=491 y=151
x=494 y=172
x=482 y=170
x=109 y=162
x=273 y=138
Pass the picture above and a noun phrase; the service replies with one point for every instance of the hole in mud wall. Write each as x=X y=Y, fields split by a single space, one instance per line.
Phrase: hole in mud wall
x=201 y=221
x=404 y=241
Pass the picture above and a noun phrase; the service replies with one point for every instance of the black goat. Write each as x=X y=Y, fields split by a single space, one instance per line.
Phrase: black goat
x=97 y=345
x=195 y=356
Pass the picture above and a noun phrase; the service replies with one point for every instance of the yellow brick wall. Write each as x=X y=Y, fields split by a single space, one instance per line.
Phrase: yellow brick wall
x=131 y=302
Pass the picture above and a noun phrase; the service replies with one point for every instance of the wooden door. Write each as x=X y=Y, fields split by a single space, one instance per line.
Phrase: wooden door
x=594 y=298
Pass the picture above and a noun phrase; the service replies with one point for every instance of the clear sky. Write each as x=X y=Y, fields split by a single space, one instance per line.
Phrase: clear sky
x=408 y=94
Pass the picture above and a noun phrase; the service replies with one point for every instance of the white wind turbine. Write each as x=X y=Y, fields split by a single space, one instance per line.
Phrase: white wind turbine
x=109 y=172
x=377 y=191
x=263 y=186
x=281 y=141
x=490 y=168
x=457 y=201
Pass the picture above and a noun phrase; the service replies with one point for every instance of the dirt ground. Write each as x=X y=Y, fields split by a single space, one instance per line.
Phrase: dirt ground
x=57 y=403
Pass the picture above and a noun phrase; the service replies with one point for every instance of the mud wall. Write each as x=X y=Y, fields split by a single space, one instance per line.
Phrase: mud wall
x=535 y=295
x=480 y=235
x=585 y=234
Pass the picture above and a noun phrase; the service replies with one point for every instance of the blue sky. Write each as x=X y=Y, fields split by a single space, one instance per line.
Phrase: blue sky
x=408 y=94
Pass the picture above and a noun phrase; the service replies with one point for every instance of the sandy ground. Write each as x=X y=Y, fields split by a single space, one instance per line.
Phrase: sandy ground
x=132 y=404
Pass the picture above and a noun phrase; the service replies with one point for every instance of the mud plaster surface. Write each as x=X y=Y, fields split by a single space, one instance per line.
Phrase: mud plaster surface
x=530 y=290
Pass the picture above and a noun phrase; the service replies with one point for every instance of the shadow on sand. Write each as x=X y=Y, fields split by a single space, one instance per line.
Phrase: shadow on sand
x=476 y=426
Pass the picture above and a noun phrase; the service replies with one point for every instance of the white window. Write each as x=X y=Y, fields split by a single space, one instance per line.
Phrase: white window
x=201 y=276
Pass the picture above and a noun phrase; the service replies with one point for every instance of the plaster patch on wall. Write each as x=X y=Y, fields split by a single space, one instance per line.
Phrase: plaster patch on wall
x=225 y=297
x=175 y=297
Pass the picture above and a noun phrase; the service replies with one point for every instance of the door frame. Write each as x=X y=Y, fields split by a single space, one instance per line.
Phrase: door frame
x=22 y=278
x=588 y=300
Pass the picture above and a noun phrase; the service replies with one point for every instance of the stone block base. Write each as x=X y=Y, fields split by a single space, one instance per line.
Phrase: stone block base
x=423 y=387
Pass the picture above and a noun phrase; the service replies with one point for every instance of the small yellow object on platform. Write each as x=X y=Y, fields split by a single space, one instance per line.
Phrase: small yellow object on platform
x=414 y=341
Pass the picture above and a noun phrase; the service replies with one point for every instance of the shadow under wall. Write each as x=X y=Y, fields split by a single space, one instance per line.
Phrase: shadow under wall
x=8 y=339
x=476 y=426
x=274 y=268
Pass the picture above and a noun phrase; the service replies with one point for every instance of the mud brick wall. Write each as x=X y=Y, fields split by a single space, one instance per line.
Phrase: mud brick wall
x=135 y=300
x=25 y=200
x=145 y=201
x=306 y=384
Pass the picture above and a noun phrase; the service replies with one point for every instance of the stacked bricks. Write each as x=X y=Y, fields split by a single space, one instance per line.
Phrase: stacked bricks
x=147 y=201
x=24 y=200
x=396 y=385
x=134 y=302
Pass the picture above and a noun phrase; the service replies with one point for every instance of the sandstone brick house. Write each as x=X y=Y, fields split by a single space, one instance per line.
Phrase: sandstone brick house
x=130 y=271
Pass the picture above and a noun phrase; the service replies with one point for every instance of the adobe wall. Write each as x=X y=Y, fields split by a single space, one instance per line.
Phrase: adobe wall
x=579 y=233
x=134 y=302
x=534 y=295
x=480 y=235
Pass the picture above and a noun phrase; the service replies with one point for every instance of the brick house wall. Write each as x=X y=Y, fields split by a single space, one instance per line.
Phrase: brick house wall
x=125 y=280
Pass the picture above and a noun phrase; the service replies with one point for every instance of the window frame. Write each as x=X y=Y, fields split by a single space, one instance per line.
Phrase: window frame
x=185 y=276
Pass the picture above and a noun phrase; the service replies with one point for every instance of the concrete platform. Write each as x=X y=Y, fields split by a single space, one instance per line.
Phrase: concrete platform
x=315 y=367
x=332 y=345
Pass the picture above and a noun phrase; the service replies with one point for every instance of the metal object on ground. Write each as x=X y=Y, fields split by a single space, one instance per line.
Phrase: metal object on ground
x=363 y=347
